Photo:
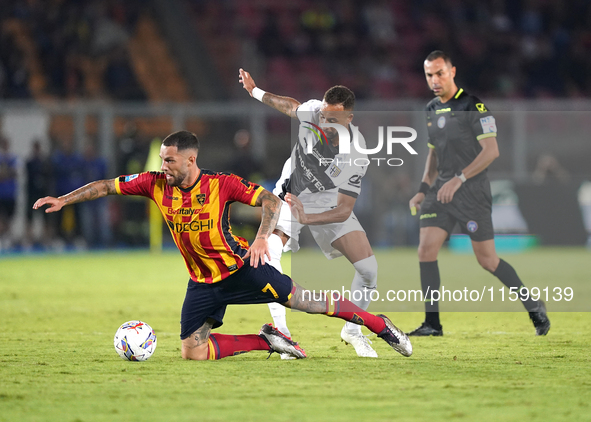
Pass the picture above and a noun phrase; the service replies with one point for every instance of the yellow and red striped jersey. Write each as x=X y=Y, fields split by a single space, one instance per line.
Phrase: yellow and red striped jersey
x=199 y=218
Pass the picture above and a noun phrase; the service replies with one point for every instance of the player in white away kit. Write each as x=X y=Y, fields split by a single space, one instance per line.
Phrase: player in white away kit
x=319 y=190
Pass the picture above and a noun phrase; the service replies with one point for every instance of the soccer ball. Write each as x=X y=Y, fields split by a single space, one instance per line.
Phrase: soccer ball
x=135 y=340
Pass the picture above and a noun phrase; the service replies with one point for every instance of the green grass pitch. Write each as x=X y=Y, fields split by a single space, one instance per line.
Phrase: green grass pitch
x=58 y=315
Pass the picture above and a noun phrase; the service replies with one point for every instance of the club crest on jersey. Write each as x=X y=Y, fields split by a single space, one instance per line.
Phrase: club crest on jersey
x=441 y=122
x=334 y=171
x=472 y=226
x=200 y=198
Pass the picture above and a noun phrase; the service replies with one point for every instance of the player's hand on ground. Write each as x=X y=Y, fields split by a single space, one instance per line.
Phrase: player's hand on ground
x=296 y=207
x=448 y=190
x=55 y=204
x=246 y=80
x=415 y=203
x=257 y=252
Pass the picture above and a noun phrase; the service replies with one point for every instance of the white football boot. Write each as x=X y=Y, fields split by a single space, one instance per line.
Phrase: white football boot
x=360 y=342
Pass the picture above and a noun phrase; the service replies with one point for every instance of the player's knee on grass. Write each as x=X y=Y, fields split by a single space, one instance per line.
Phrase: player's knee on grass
x=190 y=351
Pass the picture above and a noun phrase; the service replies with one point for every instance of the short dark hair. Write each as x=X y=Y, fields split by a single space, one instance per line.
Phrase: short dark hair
x=182 y=140
x=340 y=95
x=438 y=54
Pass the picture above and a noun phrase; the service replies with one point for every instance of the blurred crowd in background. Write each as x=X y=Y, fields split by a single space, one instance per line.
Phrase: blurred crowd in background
x=504 y=48
x=73 y=43
x=114 y=50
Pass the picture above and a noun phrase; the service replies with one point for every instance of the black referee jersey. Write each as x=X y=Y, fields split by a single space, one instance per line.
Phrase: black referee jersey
x=455 y=127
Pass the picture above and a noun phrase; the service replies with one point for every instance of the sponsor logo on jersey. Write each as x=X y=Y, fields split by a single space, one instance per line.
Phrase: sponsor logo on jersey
x=432 y=215
x=481 y=108
x=345 y=143
x=488 y=124
x=183 y=211
x=443 y=110
x=441 y=122
x=172 y=198
x=472 y=226
x=308 y=173
x=129 y=178
x=191 y=226
x=355 y=180
x=317 y=130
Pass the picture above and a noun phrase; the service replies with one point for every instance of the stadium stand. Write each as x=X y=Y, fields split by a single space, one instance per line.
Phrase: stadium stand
x=68 y=49
x=505 y=49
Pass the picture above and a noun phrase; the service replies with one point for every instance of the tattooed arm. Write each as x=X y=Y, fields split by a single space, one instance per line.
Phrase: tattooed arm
x=87 y=192
x=271 y=206
x=286 y=105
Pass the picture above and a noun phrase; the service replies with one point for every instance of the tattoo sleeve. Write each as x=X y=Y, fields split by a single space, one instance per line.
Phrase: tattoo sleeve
x=91 y=191
x=286 y=105
x=271 y=206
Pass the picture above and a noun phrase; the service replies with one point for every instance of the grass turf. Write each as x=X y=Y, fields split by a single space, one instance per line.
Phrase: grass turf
x=58 y=315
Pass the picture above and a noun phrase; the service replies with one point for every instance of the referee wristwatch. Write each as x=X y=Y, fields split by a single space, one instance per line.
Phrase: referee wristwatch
x=461 y=176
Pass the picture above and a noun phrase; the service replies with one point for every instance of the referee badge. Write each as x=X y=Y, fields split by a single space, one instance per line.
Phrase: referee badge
x=441 y=122
x=472 y=226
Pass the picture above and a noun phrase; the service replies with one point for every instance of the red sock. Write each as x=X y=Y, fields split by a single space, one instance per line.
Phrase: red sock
x=345 y=309
x=222 y=345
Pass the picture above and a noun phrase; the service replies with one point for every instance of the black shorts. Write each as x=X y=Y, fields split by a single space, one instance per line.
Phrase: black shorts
x=471 y=208
x=246 y=286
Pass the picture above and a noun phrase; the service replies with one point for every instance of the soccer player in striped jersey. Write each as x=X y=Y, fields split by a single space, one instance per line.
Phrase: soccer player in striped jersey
x=321 y=189
x=195 y=204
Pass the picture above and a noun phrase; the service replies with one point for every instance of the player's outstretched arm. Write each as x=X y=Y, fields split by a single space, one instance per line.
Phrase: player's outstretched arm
x=271 y=205
x=286 y=105
x=87 y=192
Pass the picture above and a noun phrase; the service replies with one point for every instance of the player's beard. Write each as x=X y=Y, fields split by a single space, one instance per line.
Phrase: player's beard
x=332 y=136
x=177 y=180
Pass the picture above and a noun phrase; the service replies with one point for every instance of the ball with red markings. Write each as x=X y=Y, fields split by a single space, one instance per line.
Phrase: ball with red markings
x=135 y=341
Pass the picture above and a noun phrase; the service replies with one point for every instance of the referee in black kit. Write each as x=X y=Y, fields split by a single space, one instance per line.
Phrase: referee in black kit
x=455 y=189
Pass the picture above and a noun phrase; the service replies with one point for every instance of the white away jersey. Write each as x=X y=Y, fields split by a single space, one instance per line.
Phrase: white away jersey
x=317 y=178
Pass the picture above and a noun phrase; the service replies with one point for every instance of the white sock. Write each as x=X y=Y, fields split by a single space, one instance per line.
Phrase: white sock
x=278 y=311
x=365 y=280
